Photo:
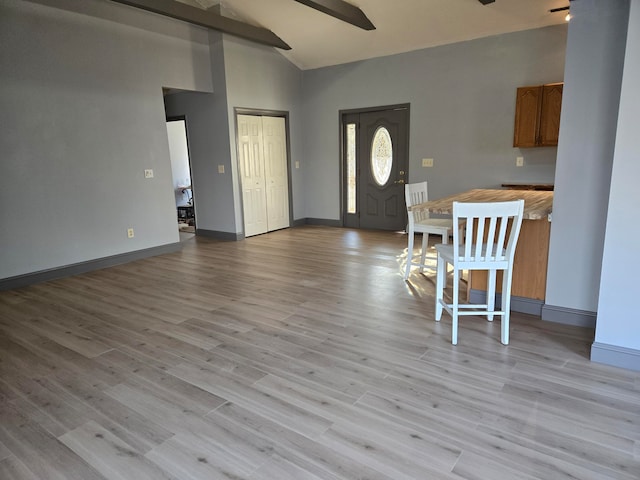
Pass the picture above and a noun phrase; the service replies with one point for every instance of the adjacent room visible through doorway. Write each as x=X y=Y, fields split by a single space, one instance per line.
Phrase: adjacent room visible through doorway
x=181 y=173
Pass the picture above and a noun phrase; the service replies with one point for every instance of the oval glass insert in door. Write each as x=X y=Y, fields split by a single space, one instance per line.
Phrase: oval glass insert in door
x=381 y=156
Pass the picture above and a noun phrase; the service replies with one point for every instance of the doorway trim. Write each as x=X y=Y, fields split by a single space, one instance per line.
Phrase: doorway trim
x=341 y=115
x=259 y=112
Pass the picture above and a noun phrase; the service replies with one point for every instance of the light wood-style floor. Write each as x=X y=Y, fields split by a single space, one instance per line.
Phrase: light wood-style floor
x=301 y=354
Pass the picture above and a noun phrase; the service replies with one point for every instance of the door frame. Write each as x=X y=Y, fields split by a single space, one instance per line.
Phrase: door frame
x=341 y=115
x=259 y=112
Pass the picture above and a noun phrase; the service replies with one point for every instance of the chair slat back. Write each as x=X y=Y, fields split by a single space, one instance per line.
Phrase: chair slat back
x=488 y=241
x=415 y=193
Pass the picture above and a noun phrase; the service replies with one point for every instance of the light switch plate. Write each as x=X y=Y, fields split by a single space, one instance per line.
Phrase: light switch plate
x=297 y=164
x=220 y=168
x=427 y=162
x=519 y=161
x=148 y=173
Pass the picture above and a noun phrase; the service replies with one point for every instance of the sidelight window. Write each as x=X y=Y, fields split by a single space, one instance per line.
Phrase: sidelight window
x=351 y=168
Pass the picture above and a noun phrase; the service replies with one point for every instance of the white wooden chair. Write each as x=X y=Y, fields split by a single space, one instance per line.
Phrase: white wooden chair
x=420 y=222
x=491 y=247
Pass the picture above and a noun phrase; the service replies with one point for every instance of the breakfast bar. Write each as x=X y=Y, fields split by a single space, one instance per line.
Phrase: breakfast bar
x=530 y=262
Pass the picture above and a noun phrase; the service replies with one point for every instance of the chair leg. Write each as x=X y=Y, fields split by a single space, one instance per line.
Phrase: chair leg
x=506 y=306
x=441 y=269
x=423 y=253
x=411 y=236
x=445 y=240
x=454 y=310
x=491 y=293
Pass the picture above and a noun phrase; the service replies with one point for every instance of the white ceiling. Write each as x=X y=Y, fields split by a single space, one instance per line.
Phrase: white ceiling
x=318 y=40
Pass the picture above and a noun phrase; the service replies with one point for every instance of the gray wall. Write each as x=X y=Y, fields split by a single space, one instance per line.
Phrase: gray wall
x=261 y=78
x=617 y=309
x=462 y=100
x=209 y=146
x=593 y=74
x=81 y=99
x=245 y=75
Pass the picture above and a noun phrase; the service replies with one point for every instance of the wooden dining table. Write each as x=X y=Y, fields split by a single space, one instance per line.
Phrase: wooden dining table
x=532 y=251
x=537 y=204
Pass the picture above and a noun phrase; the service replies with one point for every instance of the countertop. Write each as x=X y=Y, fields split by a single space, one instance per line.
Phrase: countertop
x=537 y=204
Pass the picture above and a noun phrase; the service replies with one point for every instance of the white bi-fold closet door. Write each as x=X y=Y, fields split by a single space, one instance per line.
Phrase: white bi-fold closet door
x=262 y=150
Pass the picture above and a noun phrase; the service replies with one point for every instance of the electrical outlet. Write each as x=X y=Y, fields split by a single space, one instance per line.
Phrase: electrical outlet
x=130 y=233
x=220 y=168
x=519 y=161
x=427 y=162
x=148 y=173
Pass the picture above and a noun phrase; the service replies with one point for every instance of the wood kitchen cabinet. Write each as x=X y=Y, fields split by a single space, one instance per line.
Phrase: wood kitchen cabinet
x=537 y=121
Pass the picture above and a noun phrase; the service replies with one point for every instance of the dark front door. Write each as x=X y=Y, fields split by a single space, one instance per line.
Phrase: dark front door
x=375 y=159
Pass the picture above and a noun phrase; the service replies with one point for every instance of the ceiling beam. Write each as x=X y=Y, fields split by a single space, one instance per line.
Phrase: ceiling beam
x=341 y=10
x=208 y=19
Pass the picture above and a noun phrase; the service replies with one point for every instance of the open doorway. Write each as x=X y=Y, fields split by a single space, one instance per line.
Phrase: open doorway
x=181 y=173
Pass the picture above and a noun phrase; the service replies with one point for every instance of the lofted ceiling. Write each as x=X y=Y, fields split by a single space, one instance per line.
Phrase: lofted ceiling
x=319 y=40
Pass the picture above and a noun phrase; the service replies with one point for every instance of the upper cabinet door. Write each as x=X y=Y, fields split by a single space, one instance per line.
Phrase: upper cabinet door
x=528 y=104
x=550 y=114
x=537 y=122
